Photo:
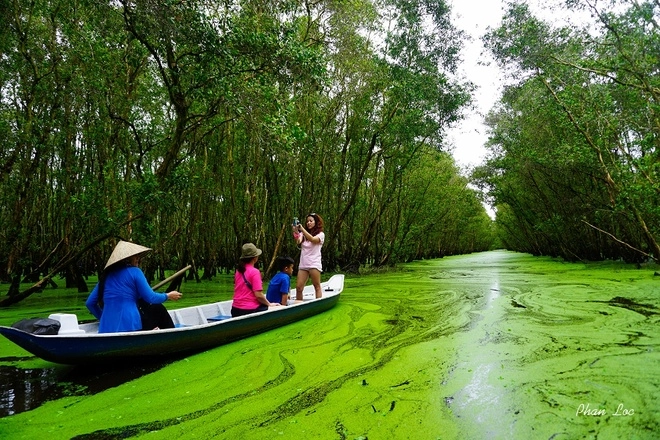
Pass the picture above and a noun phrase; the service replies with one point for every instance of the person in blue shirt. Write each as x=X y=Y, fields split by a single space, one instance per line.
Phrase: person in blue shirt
x=114 y=300
x=278 y=288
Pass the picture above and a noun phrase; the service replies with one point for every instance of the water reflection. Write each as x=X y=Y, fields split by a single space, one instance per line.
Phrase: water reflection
x=19 y=388
x=493 y=293
x=25 y=389
x=479 y=401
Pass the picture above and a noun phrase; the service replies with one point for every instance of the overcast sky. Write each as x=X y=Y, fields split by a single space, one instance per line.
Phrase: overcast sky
x=475 y=17
x=469 y=137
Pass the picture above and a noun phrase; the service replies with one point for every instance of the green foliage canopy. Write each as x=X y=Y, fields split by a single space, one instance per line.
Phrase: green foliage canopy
x=193 y=127
x=575 y=163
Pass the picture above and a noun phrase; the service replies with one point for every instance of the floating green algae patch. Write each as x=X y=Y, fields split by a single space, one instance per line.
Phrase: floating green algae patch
x=491 y=345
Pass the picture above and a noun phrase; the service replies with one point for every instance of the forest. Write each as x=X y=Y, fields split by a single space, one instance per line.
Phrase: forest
x=194 y=126
x=574 y=142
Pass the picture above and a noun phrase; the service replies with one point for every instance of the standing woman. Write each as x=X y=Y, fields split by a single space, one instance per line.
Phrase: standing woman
x=310 y=241
x=114 y=300
x=248 y=289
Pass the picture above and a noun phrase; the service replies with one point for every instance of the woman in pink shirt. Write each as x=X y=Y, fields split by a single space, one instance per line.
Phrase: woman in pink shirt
x=248 y=290
x=310 y=240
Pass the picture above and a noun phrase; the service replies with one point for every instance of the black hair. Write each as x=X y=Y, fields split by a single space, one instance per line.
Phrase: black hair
x=283 y=262
x=102 y=278
x=101 y=290
x=242 y=262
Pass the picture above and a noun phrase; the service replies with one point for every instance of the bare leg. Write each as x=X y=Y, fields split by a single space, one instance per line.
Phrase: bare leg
x=301 y=280
x=316 y=281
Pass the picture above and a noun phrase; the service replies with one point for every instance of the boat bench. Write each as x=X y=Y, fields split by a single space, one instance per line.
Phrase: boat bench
x=197 y=315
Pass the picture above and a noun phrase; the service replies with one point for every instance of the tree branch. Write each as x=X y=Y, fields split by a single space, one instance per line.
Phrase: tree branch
x=41 y=284
x=620 y=241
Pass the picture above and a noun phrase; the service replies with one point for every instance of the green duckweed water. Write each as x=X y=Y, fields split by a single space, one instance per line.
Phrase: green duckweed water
x=497 y=345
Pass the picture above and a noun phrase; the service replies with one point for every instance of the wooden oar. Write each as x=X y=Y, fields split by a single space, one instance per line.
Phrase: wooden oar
x=172 y=277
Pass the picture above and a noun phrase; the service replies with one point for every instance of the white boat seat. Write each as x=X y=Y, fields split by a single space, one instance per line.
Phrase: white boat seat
x=68 y=323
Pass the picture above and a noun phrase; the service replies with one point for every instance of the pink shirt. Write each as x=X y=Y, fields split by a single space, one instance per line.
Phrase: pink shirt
x=243 y=296
x=310 y=253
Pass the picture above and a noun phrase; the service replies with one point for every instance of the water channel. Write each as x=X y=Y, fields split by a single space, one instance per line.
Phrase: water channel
x=496 y=345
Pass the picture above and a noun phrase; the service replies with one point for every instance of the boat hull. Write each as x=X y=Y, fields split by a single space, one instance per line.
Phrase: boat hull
x=148 y=345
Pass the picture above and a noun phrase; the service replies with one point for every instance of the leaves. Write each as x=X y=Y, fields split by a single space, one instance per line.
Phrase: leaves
x=191 y=127
x=576 y=135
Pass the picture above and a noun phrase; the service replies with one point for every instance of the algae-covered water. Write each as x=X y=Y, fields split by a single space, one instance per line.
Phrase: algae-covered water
x=497 y=345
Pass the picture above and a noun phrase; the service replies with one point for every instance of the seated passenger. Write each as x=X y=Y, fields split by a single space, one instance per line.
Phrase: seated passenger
x=248 y=289
x=114 y=299
x=278 y=288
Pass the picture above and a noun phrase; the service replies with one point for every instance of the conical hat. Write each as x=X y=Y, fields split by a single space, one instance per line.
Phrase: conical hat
x=123 y=250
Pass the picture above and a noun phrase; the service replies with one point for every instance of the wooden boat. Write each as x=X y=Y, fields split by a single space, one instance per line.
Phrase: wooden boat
x=198 y=328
